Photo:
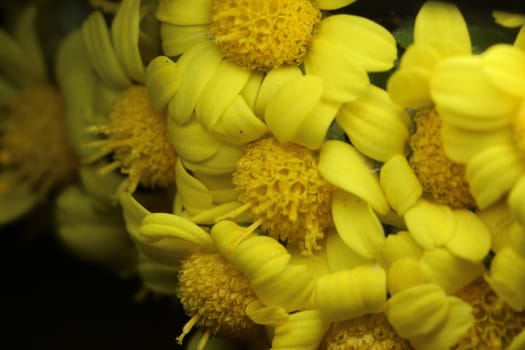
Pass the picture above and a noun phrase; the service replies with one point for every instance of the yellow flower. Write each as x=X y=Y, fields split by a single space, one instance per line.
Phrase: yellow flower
x=484 y=115
x=439 y=32
x=134 y=132
x=35 y=154
x=226 y=280
x=257 y=47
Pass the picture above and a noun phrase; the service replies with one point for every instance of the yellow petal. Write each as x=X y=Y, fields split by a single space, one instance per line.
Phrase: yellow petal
x=163 y=78
x=222 y=162
x=290 y=289
x=197 y=67
x=518 y=342
x=519 y=42
x=431 y=225
x=314 y=127
x=399 y=183
x=178 y=39
x=283 y=116
x=398 y=246
x=250 y=91
x=351 y=293
x=343 y=166
x=504 y=65
x=376 y=126
x=503 y=227
x=410 y=87
x=471 y=241
x=458 y=321
x=340 y=257
x=272 y=82
x=516 y=202
x=220 y=91
x=133 y=212
x=448 y=271
x=438 y=22
x=417 y=310
x=371 y=46
x=304 y=330
x=193 y=195
x=357 y=225
x=238 y=124
x=101 y=52
x=182 y=12
x=333 y=4
x=507 y=277
x=492 y=172
x=403 y=274
x=202 y=146
x=158 y=277
x=508 y=19
x=125 y=38
x=343 y=80
x=266 y=315
x=462 y=144
x=473 y=100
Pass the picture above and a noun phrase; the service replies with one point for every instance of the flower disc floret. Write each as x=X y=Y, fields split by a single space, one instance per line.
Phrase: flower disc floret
x=441 y=177
x=214 y=293
x=34 y=144
x=137 y=135
x=261 y=34
x=283 y=188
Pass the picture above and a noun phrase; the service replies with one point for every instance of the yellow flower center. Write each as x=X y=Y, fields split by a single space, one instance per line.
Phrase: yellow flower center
x=370 y=332
x=439 y=176
x=282 y=187
x=214 y=293
x=137 y=135
x=495 y=323
x=263 y=34
x=34 y=144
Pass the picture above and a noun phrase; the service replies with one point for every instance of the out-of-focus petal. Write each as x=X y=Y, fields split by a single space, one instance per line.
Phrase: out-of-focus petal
x=516 y=200
x=333 y=4
x=178 y=39
x=183 y=12
x=504 y=65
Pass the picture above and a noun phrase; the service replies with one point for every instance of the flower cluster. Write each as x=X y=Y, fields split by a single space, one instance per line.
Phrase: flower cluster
x=241 y=158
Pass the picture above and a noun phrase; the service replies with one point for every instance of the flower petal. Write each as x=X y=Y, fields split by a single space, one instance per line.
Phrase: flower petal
x=340 y=257
x=125 y=37
x=375 y=125
x=438 y=22
x=404 y=274
x=417 y=310
x=399 y=246
x=183 y=12
x=399 y=183
x=516 y=202
x=351 y=293
x=289 y=107
x=508 y=19
x=304 y=330
x=344 y=167
x=507 y=277
x=368 y=43
x=222 y=162
x=202 y=146
x=272 y=82
x=504 y=65
x=473 y=100
x=471 y=241
x=410 y=87
x=266 y=315
x=492 y=173
x=333 y=4
x=504 y=229
x=163 y=78
x=449 y=272
x=343 y=80
x=430 y=224
x=178 y=39
x=357 y=224
x=192 y=194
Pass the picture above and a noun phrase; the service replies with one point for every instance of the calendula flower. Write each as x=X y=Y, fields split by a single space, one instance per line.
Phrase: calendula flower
x=35 y=154
x=480 y=133
x=225 y=279
x=439 y=32
x=229 y=47
x=134 y=132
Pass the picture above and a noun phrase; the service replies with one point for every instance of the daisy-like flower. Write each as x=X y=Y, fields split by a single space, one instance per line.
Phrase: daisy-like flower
x=227 y=282
x=227 y=47
x=439 y=32
x=134 y=133
x=36 y=157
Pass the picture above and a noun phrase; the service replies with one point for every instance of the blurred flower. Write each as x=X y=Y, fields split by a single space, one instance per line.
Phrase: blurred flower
x=35 y=154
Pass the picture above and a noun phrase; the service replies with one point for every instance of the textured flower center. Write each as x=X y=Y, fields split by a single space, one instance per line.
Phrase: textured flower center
x=495 y=323
x=137 y=135
x=34 y=144
x=284 y=190
x=370 y=332
x=439 y=176
x=263 y=34
x=214 y=293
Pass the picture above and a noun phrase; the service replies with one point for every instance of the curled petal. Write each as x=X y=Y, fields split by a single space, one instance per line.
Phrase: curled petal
x=399 y=183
